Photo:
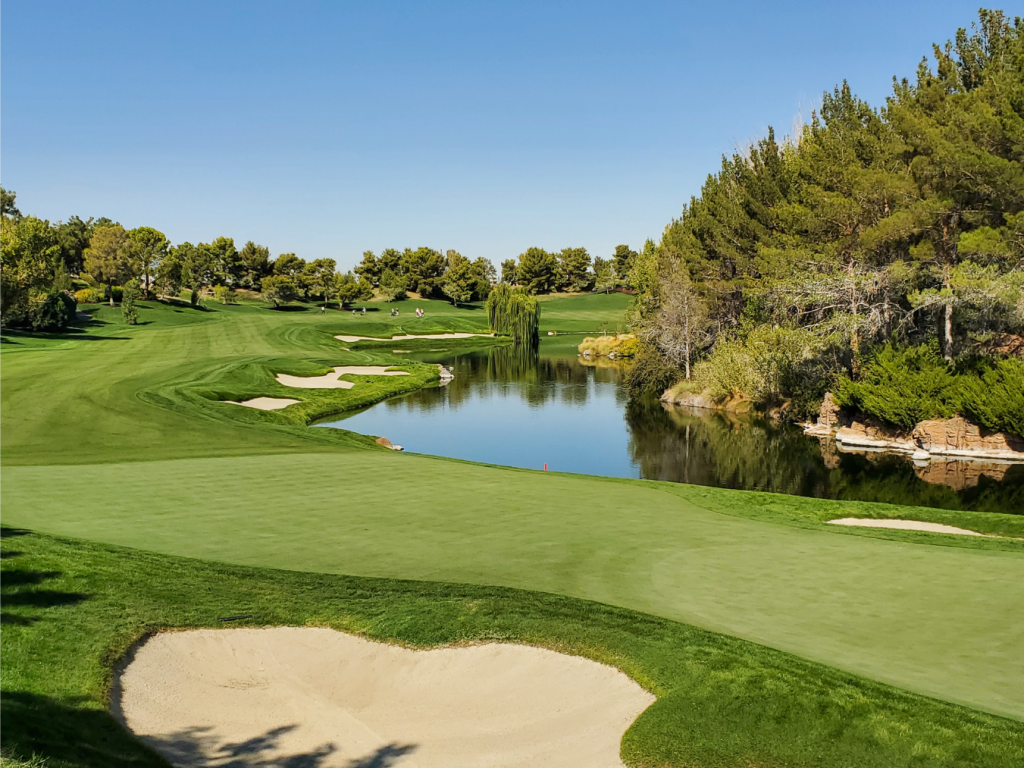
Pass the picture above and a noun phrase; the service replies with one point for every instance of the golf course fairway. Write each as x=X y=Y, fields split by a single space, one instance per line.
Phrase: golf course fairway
x=117 y=435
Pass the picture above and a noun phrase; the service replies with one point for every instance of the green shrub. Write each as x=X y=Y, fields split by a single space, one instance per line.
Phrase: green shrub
x=51 y=311
x=650 y=371
x=225 y=295
x=902 y=386
x=992 y=395
x=128 y=309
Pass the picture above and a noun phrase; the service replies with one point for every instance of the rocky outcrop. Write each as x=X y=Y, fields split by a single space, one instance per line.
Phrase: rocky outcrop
x=949 y=437
x=872 y=435
x=959 y=437
x=828 y=418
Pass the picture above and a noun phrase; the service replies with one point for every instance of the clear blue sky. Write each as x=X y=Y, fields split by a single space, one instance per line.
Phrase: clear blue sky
x=330 y=128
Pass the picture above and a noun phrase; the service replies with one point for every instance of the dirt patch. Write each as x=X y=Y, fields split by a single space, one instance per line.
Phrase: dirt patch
x=292 y=694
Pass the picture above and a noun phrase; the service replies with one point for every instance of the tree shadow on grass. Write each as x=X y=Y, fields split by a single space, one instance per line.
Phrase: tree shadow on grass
x=71 y=334
x=20 y=588
x=68 y=733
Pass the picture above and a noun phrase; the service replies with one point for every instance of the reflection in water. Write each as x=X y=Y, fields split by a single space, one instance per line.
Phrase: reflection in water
x=520 y=408
x=691 y=445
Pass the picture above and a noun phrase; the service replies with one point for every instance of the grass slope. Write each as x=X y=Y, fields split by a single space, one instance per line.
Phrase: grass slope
x=722 y=703
x=114 y=435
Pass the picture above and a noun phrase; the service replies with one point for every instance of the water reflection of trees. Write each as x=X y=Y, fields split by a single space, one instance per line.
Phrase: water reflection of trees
x=726 y=450
x=511 y=371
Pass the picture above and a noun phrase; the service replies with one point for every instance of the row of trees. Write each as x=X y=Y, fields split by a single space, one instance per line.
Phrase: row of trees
x=571 y=269
x=900 y=225
x=429 y=273
x=41 y=259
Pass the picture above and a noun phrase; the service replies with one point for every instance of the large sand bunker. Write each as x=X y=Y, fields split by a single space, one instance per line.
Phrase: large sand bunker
x=310 y=696
x=331 y=380
x=904 y=525
x=413 y=338
x=265 y=403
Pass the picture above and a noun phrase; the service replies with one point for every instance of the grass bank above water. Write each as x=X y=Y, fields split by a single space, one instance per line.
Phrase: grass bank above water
x=77 y=607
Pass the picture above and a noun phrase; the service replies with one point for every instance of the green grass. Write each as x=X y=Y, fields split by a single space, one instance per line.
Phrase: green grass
x=75 y=608
x=940 y=620
x=115 y=435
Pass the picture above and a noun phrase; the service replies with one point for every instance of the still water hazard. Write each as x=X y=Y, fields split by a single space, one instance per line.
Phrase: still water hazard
x=528 y=410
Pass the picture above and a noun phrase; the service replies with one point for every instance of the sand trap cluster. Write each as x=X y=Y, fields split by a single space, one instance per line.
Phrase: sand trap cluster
x=904 y=525
x=331 y=380
x=319 y=697
x=265 y=403
x=412 y=338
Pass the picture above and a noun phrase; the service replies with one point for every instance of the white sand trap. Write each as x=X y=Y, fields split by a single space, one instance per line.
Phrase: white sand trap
x=331 y=380
x=904 y=525
x=265 y=403
x=411 y=338
x=289 y=695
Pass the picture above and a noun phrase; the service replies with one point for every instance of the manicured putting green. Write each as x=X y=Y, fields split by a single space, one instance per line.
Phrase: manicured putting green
x=944 y=621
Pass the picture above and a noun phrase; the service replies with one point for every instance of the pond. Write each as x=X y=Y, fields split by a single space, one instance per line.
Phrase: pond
x=521 y=409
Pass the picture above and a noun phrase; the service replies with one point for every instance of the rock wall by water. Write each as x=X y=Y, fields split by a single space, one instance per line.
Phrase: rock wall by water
x=949 y=437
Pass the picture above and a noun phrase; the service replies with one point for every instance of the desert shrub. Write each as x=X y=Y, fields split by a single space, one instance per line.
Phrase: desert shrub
x=991 y=394
x=768 y=366
x=624 y=345
x=727 y=372
x=88 y=296
x=902 y=386
x=628 y=348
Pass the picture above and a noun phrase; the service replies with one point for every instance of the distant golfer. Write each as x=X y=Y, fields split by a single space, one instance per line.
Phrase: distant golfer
x=323 y=309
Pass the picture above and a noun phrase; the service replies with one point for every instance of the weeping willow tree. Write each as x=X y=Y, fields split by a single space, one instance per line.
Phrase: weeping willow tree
x=514 y=312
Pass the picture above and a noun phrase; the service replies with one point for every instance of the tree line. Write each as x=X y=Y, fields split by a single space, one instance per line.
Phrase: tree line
x=570 y=270
x=44 y=262
x=871 y=228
